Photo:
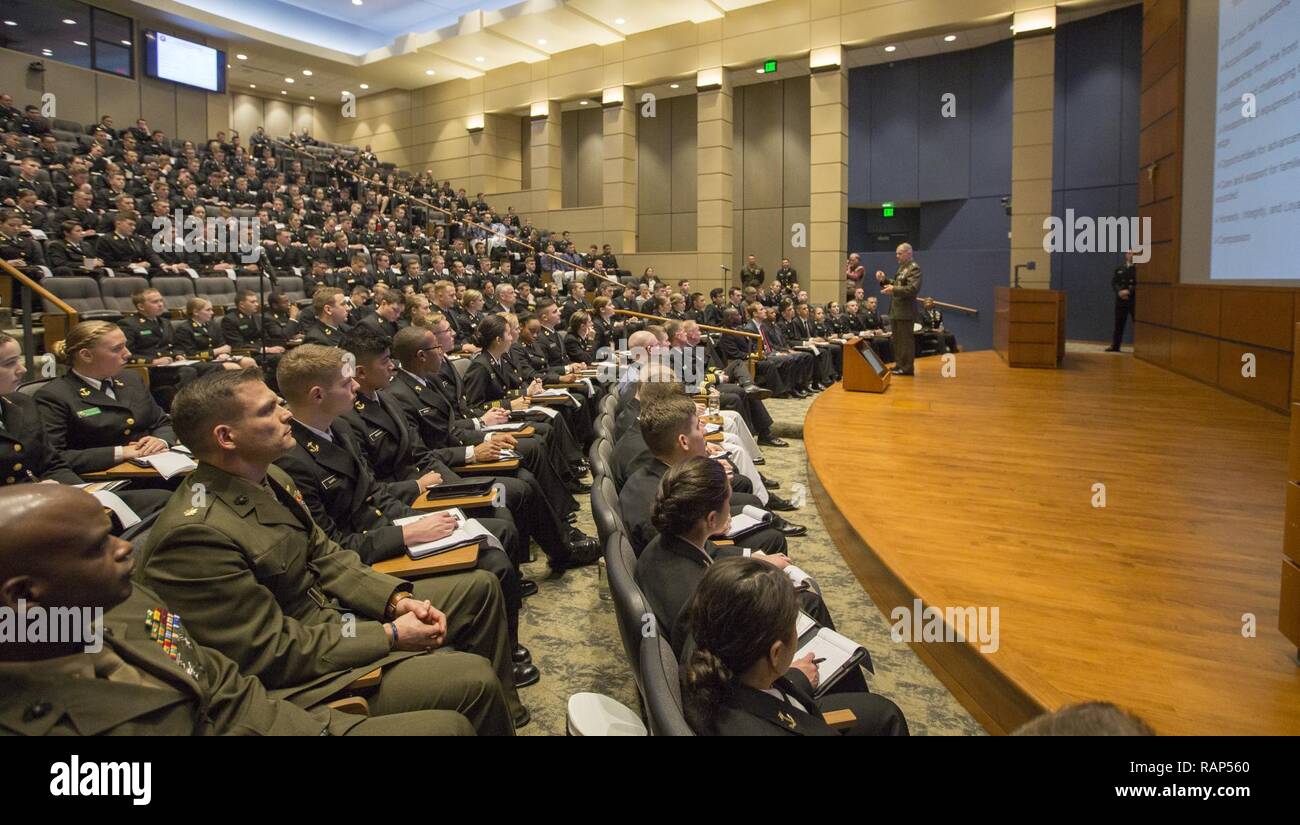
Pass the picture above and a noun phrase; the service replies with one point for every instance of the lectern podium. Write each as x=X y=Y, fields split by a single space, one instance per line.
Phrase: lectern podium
x=1029 y=326
x=863 y=369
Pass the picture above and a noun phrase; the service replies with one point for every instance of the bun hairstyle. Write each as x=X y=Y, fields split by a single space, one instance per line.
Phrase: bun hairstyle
x=490 y=329
x=688 y=493
x=741 y=607
x=84 y=335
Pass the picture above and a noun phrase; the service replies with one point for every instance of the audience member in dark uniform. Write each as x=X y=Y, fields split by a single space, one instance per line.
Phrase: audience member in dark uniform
x=693 y=504
x=932 y=329
x=580 y=343
x=343 y=496
x=198 y=337
x=672 y=432
x=99 y=414
x=741 y=677
x=25 y=452
x=330 y=324
x=72 y=254
x=150 y=338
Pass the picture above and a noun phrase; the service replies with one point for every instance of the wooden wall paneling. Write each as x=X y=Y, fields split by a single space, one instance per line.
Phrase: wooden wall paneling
x=1258 y=316
x=1271 y=384
x=1196 y=309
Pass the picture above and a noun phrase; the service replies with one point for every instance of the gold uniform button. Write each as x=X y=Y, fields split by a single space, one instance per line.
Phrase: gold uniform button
x=378 y=512
x=18 y=448
x=9 y=480
x=130 y=422
x=18 y=466
x=126 y=432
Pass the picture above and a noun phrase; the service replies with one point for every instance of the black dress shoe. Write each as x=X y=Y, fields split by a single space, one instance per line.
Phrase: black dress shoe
x=523 y=721
x=778 y=503
x=801 y=393
x=788 y=529
x=758 y=393
x=526 y=674
x=758 y=462
x=769 y=483
x=901 y=372
x=527 y=587
x=772 y=441
x=1112 y=349
x=520 y=655
x=582 y=551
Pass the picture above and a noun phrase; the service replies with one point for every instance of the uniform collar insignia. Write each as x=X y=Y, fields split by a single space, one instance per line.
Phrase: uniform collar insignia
x=84 y=392
x=786 y=719
x=313 y=447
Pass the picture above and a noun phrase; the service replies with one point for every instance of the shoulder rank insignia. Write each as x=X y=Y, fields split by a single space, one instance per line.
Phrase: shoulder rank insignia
x=786 y=719
x=192 y=511
x=119 y=382
x=313 y=447
x=360 y=405
x=84 y=392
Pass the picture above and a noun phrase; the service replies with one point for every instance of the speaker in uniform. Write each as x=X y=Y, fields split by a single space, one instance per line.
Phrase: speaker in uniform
x=902 y=290
x=1124 y=284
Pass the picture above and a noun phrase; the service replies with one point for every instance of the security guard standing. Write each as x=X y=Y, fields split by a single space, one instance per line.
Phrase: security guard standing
x=1124 y=284
x=148 y=676
x=902 y=311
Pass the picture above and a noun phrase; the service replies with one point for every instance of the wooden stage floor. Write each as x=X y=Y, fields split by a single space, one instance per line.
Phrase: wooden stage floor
x=978 y=490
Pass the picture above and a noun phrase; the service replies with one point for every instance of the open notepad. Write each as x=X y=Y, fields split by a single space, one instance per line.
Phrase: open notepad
x=749 y=519
x=508 y=427
x=168 y=463
x=468 y=531
x=839 y=653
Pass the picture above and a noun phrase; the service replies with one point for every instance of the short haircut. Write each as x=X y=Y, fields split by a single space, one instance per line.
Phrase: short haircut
x=407 y=343
x=1086 y=719
x=139 y=295
x=206 y=402
x=663 y=420
x=242 y=295
x=323 y=297
x=366 y=345
x=307 y=366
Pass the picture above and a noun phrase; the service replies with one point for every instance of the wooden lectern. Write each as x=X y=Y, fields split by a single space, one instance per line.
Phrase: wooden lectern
x=1029 y=326
x=863 y=369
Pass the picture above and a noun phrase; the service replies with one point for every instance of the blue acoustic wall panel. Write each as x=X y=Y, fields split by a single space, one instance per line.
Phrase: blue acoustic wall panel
x=944 y=127
x=1095 y=139
x=894 y=130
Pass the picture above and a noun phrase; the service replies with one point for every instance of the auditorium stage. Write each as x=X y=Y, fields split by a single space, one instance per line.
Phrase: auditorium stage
x=978 y=490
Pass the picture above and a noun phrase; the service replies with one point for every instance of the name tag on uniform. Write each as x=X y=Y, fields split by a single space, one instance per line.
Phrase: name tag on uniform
x=146 y=332
x=88 y=412
x=330 y=483
x=375 y=435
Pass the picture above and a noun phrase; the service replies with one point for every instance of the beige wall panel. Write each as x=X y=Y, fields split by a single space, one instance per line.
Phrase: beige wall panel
x=119 y=97
x=795 y=143
x=654 y=232
x=191 y=115
x=761 y=118
x=279 y=117
x=685 y=227
x=245 y=114
x=158 y=105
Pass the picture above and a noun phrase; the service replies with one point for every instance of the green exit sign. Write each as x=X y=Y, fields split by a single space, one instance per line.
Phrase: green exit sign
x=769 y=66
x=888 y=211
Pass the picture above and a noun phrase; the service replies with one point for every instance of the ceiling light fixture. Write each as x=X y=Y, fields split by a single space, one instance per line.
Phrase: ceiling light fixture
x=356 y=2
x=950 y=38
x=252 y=85
x=365 y=86
x=241 y=57
x=11 y=23
x=125 y=42
x=79 y=43
x=288 y=80
x=69 y=21
x=582 y=103
x=674 y=85
x=283 y=92
x=306 y=72
x=618 y=21
x=541 y=41
x=891 y=48
x=479 y=59
x=429 y=72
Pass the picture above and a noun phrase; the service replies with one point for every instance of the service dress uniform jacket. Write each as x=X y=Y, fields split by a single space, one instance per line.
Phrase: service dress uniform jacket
x=310 y=613
x=83 y=424
x=135 y=686
x=25 y=452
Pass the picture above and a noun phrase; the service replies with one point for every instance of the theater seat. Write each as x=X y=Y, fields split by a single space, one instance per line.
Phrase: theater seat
x=604 y=510
x=661 y=688
x=82 y=294
x=117 y=292
x=250 y=282
x=630 y=608
x=176 y=291
x=292 y=286
x=219 y=290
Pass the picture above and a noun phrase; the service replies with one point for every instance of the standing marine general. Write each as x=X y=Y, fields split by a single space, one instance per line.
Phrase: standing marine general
x=902 y=289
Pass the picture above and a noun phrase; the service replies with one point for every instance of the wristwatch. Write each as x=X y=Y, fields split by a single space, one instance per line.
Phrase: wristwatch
x=390 y=612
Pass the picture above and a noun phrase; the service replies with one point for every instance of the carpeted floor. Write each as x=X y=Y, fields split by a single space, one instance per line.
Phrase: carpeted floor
x=574 y=639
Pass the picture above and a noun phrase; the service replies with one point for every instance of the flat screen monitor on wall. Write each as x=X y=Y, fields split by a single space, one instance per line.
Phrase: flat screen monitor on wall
x=168 y=57
x=1241 y=143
